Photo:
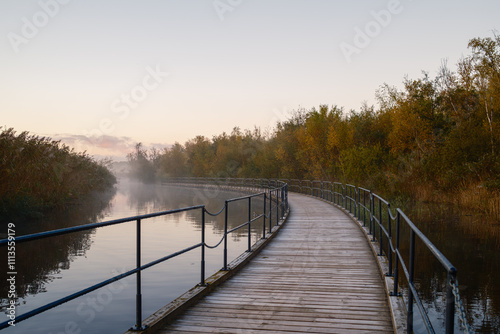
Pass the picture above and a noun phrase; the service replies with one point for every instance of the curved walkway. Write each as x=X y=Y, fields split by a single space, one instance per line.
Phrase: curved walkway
x=318 y=275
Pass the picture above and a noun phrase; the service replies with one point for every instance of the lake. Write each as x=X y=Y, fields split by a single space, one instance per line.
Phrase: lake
x=49 y=269
x=471 y=241
x=52 y=268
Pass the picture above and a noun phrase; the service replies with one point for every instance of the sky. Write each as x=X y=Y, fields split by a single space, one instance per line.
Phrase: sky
x=104 y=75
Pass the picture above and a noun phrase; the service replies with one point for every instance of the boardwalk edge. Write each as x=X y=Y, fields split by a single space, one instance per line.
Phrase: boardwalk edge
x=396 y=303
x=169 y=312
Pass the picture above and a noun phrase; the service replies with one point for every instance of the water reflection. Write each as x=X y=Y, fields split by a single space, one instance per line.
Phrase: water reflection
x=472 y=244
x=42 y=261
x=49 y=269
x=153 y=198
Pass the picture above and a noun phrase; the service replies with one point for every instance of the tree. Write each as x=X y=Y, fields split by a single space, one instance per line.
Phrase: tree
x=141 y=167
x=173 y=161
x=485 y=61
x=414 y=118
x=200 y=156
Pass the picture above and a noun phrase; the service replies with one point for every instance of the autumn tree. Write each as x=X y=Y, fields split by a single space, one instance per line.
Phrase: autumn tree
x=485 y=61
x=173 y=161
x=200 y=156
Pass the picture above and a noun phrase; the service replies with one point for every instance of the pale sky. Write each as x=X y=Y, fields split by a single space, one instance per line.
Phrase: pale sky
x=168 y=70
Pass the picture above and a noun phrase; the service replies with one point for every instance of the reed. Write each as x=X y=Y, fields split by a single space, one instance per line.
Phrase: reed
x=37 y=173
x=477 y=197
x=494 y=206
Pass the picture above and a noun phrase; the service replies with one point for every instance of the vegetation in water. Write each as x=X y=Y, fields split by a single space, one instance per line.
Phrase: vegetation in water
x=435 y=139
x=37 y=173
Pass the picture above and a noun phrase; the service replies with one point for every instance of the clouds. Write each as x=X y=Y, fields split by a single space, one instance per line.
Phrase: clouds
x=171 y=70
x=103 y=146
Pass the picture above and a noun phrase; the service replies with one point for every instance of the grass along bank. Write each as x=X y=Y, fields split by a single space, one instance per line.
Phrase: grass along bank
x=38 y=173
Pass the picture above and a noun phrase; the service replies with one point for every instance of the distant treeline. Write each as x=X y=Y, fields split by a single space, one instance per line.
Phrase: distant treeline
x=37 y=173
x=435 y=136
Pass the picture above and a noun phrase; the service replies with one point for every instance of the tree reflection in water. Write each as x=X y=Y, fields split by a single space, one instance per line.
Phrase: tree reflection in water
x=472 y=244
x=40 y=262
x=70 y=259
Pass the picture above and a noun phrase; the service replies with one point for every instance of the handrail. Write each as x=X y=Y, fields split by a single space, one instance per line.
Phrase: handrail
x=354 y=201
x=275 y=199
x=53 y=233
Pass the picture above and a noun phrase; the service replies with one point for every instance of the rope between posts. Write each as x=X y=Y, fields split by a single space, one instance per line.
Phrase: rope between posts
x=461 y=311
x=212 y=247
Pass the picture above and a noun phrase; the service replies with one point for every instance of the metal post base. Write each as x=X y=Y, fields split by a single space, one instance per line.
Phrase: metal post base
x=138 y=329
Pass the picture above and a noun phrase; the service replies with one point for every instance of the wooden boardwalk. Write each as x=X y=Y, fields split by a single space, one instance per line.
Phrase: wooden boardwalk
x=318 y=275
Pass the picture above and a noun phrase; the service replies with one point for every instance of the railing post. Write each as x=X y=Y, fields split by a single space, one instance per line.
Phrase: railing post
x=380 y=237
x=359 y=202
x=138 y=296
x=344 y=197
x=202 y=282
x=277 y=207
x=282 y=191
x=344 y=190
x=355 y=202
x=409 y=319
x=396 y=260
x=334 y=193
x=389 y=240
x=225 y=236
x=249 y=224
x=338 y=194
x=372 y=215
x=270 y=210
x=264 y=219
x=286 y=194
x=350 y=199
x=450 y=302
x=364 y=208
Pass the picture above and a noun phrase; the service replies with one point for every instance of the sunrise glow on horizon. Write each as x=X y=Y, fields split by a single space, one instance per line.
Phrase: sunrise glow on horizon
x=161 y=72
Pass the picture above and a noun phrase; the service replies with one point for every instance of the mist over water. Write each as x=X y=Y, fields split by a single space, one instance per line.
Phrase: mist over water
x=49 y=269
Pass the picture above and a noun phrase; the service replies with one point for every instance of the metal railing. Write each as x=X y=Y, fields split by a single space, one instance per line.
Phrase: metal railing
x=371 y=210
x=275 y=206
x=374 y=211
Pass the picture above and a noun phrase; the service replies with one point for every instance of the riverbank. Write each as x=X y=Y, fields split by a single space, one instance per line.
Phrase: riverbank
x=38 y=174
x=473 y=197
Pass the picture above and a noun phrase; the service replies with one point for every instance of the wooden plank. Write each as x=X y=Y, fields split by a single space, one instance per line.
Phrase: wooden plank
x=318 y=275
x=263 y=310
x=287 y=316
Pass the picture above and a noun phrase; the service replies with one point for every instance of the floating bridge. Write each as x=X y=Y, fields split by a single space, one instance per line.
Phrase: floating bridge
x=331 y=260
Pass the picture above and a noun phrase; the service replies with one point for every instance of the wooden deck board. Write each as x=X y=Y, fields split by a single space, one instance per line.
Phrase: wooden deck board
x=317 y=276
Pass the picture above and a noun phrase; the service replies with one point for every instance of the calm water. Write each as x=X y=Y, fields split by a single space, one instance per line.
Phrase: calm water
x=52 y=268
x=472 y=243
